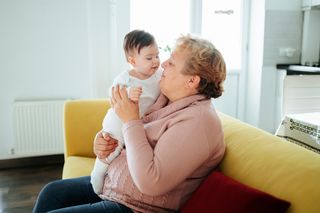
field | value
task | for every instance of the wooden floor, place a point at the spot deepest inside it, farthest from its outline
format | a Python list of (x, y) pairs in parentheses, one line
[(19, 187)]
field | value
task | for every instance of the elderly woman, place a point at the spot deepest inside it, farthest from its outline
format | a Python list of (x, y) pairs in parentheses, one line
[(169, 151)]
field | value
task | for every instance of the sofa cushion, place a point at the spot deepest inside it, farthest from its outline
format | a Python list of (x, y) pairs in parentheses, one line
[(77, 166), (220, 193)]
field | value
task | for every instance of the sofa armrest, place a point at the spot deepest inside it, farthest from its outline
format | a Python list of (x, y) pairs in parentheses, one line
[(82, 120), (271, 164)]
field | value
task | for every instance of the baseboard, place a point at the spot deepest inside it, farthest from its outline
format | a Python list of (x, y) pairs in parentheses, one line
[(32, 161)]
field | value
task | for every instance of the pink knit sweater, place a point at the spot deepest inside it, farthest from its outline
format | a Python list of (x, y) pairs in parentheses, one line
[(168, 153)]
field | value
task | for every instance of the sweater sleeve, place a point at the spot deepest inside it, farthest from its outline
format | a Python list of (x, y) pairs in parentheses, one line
[(181, 149)]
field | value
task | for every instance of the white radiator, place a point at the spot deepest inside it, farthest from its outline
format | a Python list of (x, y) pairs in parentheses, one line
[(38, 128)]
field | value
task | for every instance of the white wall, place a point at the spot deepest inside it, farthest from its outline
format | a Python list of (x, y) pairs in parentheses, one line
[(53, 49), (44, 55), (283, 29), (274, 25)]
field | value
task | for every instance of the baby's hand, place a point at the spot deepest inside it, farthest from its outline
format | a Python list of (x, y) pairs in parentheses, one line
[(135, 93), (105, 135)]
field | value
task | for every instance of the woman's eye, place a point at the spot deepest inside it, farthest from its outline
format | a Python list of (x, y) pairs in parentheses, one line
[(149, 59)]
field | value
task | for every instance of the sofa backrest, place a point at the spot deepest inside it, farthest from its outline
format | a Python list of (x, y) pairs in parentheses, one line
[(271, 164), (253, 156), (82, 121)]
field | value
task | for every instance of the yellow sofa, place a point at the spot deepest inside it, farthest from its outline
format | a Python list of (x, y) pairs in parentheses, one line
[(253, 156)]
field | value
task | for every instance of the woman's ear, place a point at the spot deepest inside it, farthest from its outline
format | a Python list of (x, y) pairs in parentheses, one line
[(194, 82)]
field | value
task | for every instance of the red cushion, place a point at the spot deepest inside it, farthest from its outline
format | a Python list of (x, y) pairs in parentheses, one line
[(219, 193)]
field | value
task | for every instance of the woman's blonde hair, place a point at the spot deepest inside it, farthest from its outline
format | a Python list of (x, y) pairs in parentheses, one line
[(205, 61)]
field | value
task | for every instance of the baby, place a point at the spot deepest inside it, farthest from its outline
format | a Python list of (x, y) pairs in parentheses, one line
[(142, 82)]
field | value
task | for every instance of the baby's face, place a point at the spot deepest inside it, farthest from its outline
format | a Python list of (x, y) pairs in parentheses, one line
[(147, 61)]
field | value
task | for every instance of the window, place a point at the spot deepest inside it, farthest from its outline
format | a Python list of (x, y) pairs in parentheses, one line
[(165, 19), (222, 25), (220, 21)]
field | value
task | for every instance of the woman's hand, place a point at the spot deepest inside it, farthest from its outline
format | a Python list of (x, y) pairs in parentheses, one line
[(126, 109), (103, 145)]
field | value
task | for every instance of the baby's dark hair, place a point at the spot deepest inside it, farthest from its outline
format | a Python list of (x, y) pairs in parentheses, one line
[(136, 40)]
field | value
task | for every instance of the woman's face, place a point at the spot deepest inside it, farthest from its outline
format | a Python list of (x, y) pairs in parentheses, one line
[(173, 82)]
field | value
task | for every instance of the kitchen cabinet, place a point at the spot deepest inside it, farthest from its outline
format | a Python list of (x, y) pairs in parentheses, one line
[(315, 3), (310, 38), (308, 4)]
